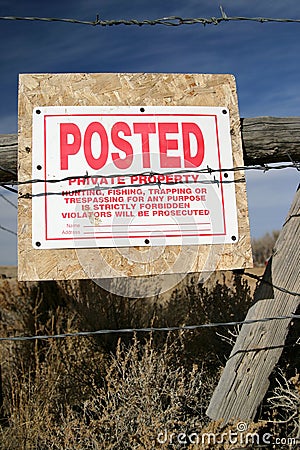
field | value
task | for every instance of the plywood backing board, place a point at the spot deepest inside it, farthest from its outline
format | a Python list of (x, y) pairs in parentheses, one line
[(124, 89)]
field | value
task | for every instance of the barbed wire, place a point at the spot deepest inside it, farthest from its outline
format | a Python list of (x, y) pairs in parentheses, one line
[(8, 230), (262, 280), (8, 188), (156, 181), (8, 201), (169, 21), (146, 330), (207, 170)]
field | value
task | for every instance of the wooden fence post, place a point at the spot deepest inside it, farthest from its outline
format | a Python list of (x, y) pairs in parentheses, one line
[(245, 379)]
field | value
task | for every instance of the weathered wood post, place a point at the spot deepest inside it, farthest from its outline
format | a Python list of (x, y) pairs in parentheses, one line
[(245, 379), (265, 140)]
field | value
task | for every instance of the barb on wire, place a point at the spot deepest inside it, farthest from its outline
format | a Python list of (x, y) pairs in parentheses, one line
[(147, 330), (279, 288), (8, 230), (297, 164), (8, 201), (169, 21)]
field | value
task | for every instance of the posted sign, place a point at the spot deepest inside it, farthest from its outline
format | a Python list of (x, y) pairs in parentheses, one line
[(132, 176)]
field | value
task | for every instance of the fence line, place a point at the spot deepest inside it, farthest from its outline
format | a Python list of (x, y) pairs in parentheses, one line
[(147, 330), (279, 288), (8, 230), (8, 201), (170, 21), (157, 178), (4, 186)]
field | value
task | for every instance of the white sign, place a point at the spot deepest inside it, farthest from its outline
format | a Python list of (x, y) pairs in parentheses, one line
[(132, 176)]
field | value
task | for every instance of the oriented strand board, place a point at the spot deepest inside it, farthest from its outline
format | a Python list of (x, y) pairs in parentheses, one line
[(126, 89)]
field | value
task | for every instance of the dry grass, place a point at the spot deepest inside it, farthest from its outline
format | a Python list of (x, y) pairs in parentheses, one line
[(76, 399), (104, 393), (281, 409), (120, 392)]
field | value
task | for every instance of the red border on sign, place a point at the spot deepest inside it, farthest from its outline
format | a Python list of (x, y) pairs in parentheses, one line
[(73, 238)]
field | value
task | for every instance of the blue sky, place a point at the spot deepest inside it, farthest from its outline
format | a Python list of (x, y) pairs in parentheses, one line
[(263, 57)]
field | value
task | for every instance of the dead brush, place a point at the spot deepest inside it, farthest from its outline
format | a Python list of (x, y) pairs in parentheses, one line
[(37, 394), (140, 392), (283, 406), (81, 393), (144, 393)]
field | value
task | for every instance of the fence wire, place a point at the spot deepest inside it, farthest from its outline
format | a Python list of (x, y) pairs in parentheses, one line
[(154, 178), (169, 21), (8, 230), (146, 330), (279, 288), (8, 201)]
